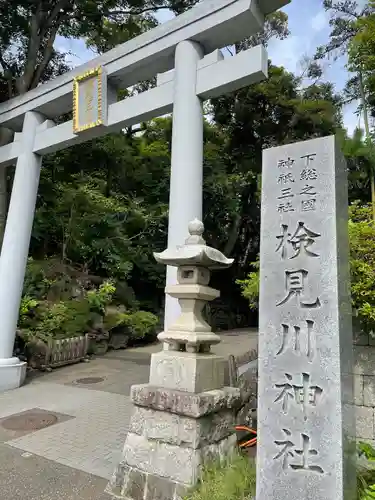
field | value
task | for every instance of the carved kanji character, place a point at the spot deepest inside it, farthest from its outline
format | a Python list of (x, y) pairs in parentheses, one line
[(295, 284)]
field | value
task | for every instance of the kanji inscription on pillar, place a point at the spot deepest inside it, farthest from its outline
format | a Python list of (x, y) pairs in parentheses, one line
[(305, 337), (90, 100)]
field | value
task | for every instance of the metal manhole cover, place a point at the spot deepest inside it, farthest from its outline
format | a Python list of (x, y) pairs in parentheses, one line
[(89, 380), (29, 421)]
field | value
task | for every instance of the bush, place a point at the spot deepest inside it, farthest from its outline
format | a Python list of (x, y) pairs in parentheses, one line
[(362, 264), (142, 323), (250, 286), (73, 311), (36, 284), (61, 320), (100, 298), (366, 472), (139, 324), (232, 479), (28, 311), (45, 320)]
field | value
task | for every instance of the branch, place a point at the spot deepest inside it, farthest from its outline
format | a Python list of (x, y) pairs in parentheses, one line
[(10, 88), (3, 62), (48, 51), (229, 50), (61, 5), (337, 10), (139, 12), (32, 52), (8, 75), (125, 239), (246, 255), (33, 72), (233, 236), (130, 131)]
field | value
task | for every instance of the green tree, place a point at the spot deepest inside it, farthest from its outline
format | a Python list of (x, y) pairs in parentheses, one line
[(103, 224), (28, 33), (275, 26), (358, 155), (348, 24), (274, 112), (103, 206), (362, 45), (32, 27)]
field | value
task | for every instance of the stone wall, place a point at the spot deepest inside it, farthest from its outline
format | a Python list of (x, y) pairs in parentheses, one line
[(364, 383)]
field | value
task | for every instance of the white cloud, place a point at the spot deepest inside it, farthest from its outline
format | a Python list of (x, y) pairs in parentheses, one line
[(164, 15), (289, 52), (319, 21), (76, 50)]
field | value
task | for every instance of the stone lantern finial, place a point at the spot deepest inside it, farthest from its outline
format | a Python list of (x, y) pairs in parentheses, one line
[(196, 230)]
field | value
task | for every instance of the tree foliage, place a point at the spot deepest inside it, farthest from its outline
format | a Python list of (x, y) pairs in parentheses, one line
[(102, 207), (350, 33), (29, 30), (361, 51)]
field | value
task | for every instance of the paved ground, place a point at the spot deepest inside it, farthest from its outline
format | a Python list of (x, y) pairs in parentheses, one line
[(74, 457)]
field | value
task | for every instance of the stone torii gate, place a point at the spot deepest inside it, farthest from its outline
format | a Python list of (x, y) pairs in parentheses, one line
[(180, 48)]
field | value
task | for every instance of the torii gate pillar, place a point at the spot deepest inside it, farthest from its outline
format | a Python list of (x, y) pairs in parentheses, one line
[(15, 250), (186, 184)]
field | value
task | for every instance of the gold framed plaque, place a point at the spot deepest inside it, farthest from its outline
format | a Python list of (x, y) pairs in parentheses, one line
[(90, 100)]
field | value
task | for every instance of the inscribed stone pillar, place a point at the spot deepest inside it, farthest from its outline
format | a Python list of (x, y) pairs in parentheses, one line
[(305, 417)]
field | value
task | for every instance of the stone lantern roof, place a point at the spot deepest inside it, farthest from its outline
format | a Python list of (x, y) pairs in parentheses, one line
[(194, 252)]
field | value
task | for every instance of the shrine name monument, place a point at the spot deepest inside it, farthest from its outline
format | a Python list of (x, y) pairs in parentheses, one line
[(306, 421)]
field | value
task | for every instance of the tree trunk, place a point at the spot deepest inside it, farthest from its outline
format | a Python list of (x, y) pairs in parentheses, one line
[(233, 235), (368, 139)]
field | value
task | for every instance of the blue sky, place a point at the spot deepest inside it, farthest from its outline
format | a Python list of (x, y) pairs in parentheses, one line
[(310, 28), (308, 23)]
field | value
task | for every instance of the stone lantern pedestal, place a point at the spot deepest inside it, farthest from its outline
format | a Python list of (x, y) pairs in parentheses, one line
[(184, 416)]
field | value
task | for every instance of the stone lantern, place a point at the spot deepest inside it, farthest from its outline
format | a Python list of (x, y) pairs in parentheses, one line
[(194, 261), (184, 415), (190, 334)]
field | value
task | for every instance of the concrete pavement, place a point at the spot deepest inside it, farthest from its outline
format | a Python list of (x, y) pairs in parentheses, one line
[(86, 408)]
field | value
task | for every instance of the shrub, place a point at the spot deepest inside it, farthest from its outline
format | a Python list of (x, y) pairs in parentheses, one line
[(142, 323), (366, 472), (99, 298), (138, 324), (250, 286), (36, 284), (232, 479), (62, 320), (67, 318), (28, 310), (41, 319), (362, 264)]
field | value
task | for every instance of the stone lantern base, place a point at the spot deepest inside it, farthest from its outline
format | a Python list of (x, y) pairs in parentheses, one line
[(171, 434)]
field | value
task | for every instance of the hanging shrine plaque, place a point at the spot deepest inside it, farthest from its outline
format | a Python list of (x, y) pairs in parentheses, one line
[(90, 100)]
